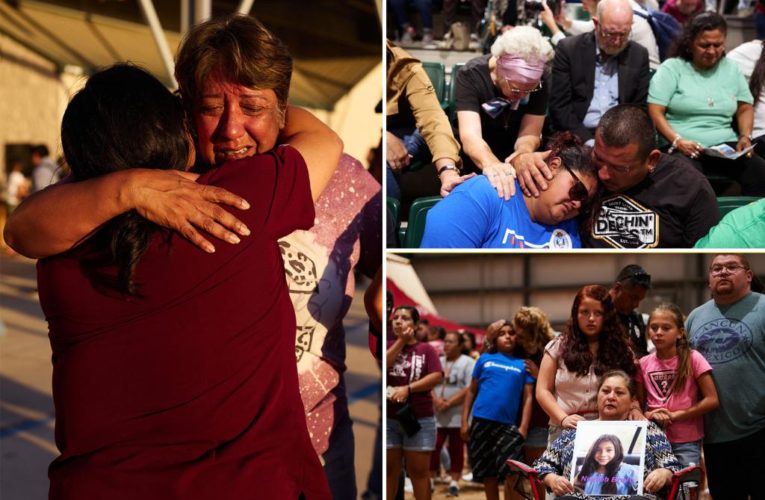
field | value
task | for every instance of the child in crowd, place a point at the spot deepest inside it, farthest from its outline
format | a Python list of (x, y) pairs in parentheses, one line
[(603, 472), (534, 332), (469, 347), (593, 343), (501, 389), (676, 383)]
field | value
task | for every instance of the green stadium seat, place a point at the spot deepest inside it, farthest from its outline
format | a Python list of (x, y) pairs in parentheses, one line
[(394, 208), (452, 105), (437, 74), (417, 214), (730, 203)]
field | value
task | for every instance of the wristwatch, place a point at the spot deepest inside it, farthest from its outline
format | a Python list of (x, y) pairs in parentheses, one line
[(448, 166)]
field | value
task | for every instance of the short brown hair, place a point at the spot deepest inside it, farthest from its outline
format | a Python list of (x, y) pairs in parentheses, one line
[(235, 48)]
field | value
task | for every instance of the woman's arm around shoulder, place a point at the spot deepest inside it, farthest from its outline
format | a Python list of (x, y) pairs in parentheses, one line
[(61, 216)]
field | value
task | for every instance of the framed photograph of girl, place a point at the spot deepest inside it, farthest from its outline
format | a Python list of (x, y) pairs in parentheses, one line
[(609, 458)]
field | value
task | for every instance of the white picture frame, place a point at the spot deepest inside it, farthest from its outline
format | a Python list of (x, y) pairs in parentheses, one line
[(625, 474)]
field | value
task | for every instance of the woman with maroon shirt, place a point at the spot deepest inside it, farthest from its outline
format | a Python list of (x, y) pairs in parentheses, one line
[(413, 370), (173, 370)]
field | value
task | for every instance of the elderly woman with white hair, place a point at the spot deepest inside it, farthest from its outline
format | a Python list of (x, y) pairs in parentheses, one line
[(501, 104)]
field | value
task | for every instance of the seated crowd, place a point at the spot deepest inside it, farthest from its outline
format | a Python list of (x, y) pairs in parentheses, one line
[(656, 144), (695, 380)]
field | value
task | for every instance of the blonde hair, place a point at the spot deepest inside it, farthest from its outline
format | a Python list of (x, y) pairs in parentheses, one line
[(532, 324), (525, 42)]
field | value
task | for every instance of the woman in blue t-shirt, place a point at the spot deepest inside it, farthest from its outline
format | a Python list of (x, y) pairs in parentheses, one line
[(473, 216)]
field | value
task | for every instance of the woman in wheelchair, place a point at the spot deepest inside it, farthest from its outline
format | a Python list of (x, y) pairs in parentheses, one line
[(616, 393)]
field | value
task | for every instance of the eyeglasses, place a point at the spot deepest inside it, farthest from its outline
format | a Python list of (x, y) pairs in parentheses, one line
[(515, 91), (611, 35), (612, 168), (578, 191), (719, 268)]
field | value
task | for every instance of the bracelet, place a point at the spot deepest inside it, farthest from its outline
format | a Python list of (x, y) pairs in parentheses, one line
[(409, 388), (748, 136), (563, 420), (674, 143), (448, 166)]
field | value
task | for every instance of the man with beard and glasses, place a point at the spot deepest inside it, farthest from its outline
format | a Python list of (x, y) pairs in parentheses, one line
[(595, 71), (729, 331)]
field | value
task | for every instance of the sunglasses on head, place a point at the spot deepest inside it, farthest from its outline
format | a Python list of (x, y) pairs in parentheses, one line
[(578, 191)]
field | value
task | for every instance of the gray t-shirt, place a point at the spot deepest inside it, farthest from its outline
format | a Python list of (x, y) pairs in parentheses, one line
[(457, 375), (732, 339)]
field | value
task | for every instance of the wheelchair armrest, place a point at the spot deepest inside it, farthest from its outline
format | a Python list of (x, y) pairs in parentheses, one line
[(525, 471), (688, 474)]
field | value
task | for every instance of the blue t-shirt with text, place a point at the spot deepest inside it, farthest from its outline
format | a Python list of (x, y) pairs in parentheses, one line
[(501, 379), (473, 216)]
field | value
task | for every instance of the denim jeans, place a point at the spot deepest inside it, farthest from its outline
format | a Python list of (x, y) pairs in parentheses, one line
[(416, 146)]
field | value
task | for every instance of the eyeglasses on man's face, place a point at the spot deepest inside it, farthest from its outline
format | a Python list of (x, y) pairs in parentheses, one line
[(730, 268), (613, 169), (614, 36)]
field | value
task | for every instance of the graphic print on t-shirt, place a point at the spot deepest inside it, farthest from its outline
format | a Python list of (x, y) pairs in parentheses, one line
[(624, 223), (559, 239), (662, 381), (723, 340), (402, 366)]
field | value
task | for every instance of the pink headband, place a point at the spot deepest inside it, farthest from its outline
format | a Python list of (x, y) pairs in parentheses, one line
[(516, 68)]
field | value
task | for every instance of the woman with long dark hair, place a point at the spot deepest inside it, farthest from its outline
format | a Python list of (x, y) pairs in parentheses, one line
[(594, 342), (694, 98), (164, 386)]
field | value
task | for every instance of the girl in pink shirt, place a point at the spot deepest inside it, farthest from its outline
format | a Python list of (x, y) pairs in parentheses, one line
[(676, 384)]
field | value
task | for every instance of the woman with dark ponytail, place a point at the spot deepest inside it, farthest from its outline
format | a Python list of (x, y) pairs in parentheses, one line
[(473, 216), (123, 99), (173, 369), (676, 384)]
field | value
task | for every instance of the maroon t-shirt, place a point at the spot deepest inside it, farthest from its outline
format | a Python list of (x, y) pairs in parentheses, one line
[(191, 390), (422, 358)]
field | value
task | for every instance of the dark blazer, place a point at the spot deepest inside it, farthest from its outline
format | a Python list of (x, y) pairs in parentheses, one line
[(573, 80)]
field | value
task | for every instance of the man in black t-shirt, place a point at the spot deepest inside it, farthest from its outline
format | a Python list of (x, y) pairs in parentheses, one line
[(648, 199)]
